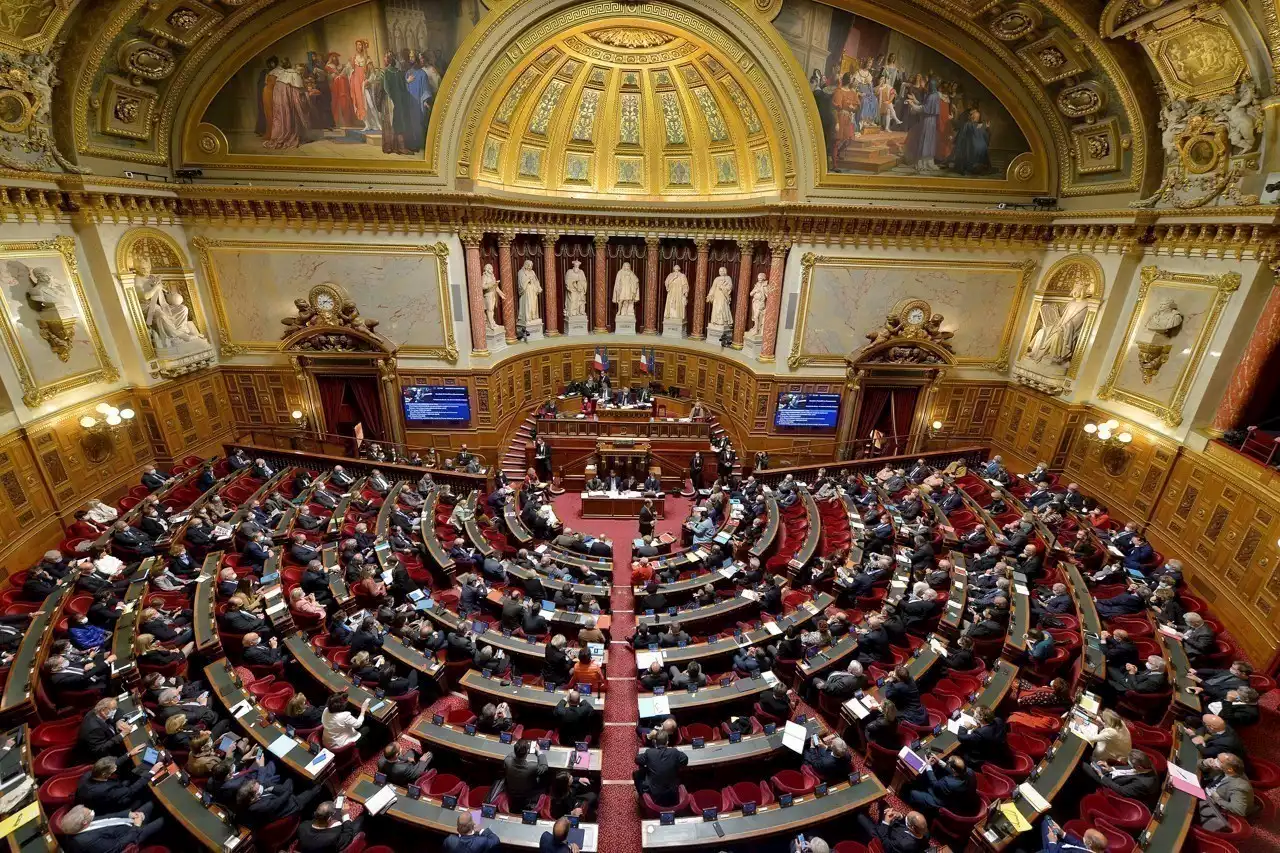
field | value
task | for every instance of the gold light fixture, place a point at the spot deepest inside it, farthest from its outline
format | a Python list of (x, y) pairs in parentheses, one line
[(299, 419), (111, 420), (1108, 432), (935, 427), (1113, 444)]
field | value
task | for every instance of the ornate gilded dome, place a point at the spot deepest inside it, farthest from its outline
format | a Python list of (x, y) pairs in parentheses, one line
[(628, 109)]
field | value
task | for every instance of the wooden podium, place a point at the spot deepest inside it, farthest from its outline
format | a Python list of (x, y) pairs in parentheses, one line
[(627, 456)]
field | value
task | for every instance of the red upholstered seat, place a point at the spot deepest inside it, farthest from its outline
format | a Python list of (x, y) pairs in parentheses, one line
[(794, 782), (653, 810), (748, 792), (60, 790), (1265, 775), (55, 733), (994, 785), (278, 834), (1123, 813), (707, 798), (1237, 832), (444, 785), (54, 761), (953, 829)]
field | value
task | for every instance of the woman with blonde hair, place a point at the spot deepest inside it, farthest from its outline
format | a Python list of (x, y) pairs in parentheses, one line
[(177, 736), (203, 757), (1112, 741), (146, 650), (300, 713)]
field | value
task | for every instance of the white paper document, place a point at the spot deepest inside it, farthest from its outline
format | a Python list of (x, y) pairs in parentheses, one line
[(381, 801), (772, 628), (281, 746), (1033, 798), (1020, 589), (857, 709), (794, 736), (654, 706)]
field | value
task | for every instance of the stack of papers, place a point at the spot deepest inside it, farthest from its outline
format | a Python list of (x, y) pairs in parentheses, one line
[(1033, 798), (281, 746), (857, 709), (381, 801), (793, 737), (1185, 780)]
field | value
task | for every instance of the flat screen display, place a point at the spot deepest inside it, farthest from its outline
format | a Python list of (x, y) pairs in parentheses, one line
[(812, 411), (437, 404)]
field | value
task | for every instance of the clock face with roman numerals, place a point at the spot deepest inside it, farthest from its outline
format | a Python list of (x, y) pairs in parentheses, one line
[(913, 313)]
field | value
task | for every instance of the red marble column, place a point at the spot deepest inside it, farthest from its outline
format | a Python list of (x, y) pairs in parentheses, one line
[(1258, 354), (700, 289), (742, 298), (600, 287), (549, 286), (507, 276), (773, 306), (475, 295), (651, 285)]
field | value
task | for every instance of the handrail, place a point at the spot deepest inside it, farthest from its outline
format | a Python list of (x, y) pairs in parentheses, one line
[(346, 441), (971, 455)]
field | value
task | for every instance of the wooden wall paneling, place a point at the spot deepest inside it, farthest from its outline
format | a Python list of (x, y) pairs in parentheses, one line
[(263, 396), (967, 409), (188, 416), (28, 523)]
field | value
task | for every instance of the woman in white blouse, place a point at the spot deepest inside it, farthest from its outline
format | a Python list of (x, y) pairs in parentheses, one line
[(341, 727), (100, 513), (1112, 742)]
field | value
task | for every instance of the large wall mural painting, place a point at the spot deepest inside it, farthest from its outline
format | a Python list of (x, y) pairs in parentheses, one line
[(891, 105), (360, 83)]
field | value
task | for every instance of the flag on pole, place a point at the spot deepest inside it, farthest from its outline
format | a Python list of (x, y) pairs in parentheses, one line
[(644, 361), (651, 362), (600, 361), (604, 360)]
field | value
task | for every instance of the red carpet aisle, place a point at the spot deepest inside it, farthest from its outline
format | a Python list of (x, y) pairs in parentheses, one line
[(619, 824)]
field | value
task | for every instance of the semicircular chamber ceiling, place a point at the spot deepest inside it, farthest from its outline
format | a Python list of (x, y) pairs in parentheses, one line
[(628, 102), (625, 107)]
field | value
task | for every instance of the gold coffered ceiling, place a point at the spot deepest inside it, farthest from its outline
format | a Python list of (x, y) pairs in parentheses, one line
[(625, 108)]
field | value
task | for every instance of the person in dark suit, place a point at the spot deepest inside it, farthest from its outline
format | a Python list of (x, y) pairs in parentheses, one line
[(302, 550), (62, 674), (524, 774), (556, 666), (258, 653), (647, 518), (879, 537), (101, 734), (103, 788), (153, 524), (1151, 678), (1118, 649), (950, 785), (600, 547), (468, 840), (1127, 603), (1139, 554), (901, 689), (1138, 781), (1240, 707), (38, 585), (655, 676), (207, 478), (328, 831), (237, 620), (987, 741), (257, 806), (653, 599), (1199, 640), (898, 834), (831, 763), (873, 644), (556, 840), (256, 553), (1215, 684), (402, 766), (153, 479), (1215, 737), (575, 718), (658, 773), (132, 539), (84, 831)]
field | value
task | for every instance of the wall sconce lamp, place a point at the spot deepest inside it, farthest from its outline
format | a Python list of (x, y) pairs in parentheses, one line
[(299, 419), (935, 427), (1106, 432), (111, 419)]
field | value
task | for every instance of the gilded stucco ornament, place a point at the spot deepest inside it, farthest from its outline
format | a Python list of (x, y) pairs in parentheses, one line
[(27, 82), (1209, 146)]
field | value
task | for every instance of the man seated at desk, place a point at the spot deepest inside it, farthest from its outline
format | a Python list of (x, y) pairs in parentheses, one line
[(523, 775), (1137, 780), (652, 485), (575, 718), (950, 785), (830, 763), (595, 484)]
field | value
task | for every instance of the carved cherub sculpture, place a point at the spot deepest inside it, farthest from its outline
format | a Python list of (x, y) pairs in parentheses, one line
[(933, 328), (351, 317), (892, 328)]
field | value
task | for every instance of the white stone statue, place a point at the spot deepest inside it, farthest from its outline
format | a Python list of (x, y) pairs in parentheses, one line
[(1166, 320), (1241, 113), (759, 296), (164, 309), (575, 291), (1060, 325), (677, 285), (530, 288), (626, 291), (492, 293), (720, 297), (48, 293)]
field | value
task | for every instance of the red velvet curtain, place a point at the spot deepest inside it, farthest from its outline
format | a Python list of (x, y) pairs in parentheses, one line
[(364, 391), (874, 403), (332, 391), (902, 409)]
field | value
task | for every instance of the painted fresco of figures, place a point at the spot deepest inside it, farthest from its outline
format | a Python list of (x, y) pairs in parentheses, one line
[(359, 83), (922, 116)]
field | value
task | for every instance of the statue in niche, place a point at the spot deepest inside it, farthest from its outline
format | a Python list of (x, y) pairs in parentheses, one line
[(164, 309), (677, 285), (720, 296), (759, 298), (1060, 325), (626, 291), (575, 291), (489, 285), (57, 307), (530, 288)]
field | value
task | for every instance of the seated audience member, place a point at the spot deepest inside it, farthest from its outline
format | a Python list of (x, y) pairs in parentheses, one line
[(1055, 694), (843, 684), (658, 773), (655, 676), (329, 831), (1239, 708), (985, 742), (1215, 737), (570, 796), (1228, 790), (238, 620), (692, 676), (1111, 742), (1118, 649), (258, 805), (945, 784), (523, 775), (494, 718), (84, 831), (587, 672), (901, 689), (1199, 641), (830, 763), (306, 604), (1133, 777), (776, 702), (1151, 678), (101, 732), (897, 834), (402, 766), (589, 633), (300, 713), (1215, 684), (883, 729), (104, 788), (468, 840)]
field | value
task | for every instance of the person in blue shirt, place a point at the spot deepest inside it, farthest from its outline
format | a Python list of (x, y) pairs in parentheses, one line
[(704, 531), (951, 785), (995, 469), (1056, 840), (1039, 645), (1140, 553)]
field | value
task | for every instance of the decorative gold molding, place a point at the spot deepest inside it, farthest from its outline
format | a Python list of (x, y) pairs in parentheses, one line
[(1170, 413), (34, 393), (229, 346), (810, 261)]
